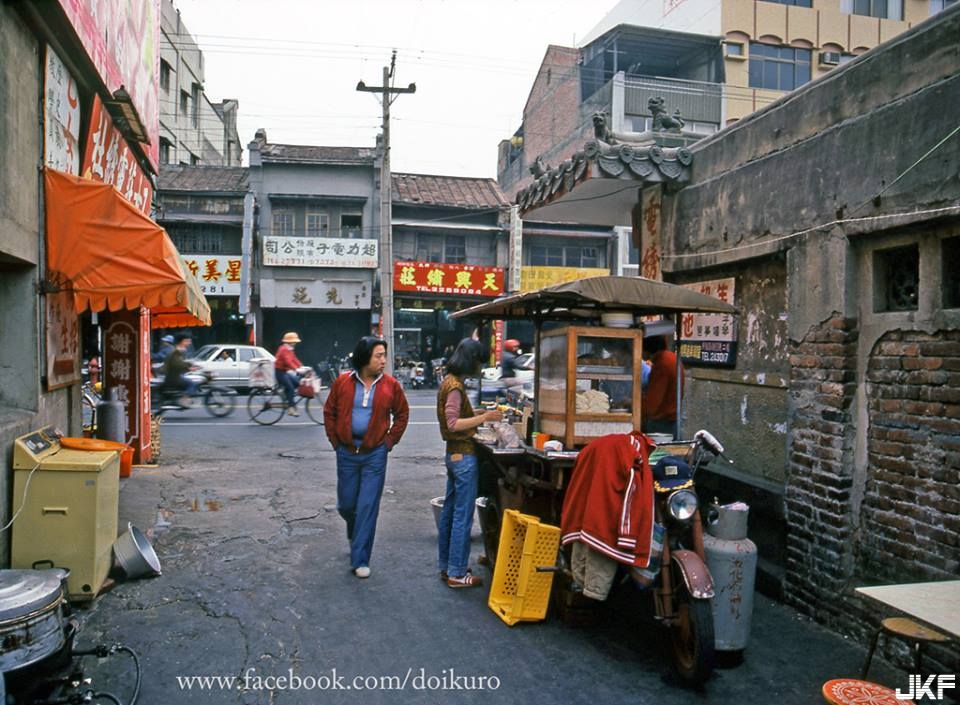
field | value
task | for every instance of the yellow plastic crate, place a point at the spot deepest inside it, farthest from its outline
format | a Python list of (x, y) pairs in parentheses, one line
[(519, 593)]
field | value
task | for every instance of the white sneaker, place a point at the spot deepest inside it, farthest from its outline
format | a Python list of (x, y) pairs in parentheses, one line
[(362, 572), (292, 412)]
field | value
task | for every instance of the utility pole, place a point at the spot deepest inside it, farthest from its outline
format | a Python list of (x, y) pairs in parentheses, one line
[(387, 95)]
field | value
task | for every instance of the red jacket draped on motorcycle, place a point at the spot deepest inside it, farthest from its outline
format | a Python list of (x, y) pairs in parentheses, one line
[(609, 502)]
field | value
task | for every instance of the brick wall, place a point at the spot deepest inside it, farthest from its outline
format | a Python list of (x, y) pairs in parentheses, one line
[(819, 477), (910, 517), (908, 528)]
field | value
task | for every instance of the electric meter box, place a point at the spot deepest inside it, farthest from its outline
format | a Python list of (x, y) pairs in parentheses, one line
[(69, 516)]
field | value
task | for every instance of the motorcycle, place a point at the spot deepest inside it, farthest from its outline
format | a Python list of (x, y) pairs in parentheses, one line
[(219, 401), (678, 579)]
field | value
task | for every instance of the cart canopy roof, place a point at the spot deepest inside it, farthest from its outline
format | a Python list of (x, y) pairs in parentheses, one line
[(591, 297)]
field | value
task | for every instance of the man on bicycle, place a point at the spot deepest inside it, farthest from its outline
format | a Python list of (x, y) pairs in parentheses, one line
[(286, 366)]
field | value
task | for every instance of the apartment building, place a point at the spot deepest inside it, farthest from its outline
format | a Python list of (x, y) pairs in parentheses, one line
[(193, 129), (714, 62)]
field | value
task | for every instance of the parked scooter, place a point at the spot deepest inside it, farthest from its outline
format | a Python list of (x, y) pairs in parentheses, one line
[(217, 400), (679, 579)]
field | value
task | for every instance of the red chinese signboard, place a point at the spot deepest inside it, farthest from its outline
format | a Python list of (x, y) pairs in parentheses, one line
[(440, 278), (107, 158)]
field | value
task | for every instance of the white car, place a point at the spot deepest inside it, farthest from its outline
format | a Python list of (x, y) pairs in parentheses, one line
[(229, 363)]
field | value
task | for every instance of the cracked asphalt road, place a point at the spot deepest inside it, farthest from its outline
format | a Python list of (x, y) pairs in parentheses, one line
[(256, 583)]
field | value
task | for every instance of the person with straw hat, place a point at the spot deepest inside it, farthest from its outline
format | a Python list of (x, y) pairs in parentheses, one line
[(286, 366)]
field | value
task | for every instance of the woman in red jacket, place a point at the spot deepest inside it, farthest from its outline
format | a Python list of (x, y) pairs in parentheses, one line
[(365, 416)]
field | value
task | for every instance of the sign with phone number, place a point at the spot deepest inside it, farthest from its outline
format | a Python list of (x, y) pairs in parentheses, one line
[(710, 339), (710, 352)]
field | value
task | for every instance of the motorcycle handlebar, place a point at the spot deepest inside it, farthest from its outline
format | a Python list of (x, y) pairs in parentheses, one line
[(708, 439)]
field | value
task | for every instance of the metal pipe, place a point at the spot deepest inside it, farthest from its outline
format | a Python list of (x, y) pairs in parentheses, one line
[(679, 377)]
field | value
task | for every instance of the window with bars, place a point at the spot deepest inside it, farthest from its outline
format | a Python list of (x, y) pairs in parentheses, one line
[(779, 68), (195, 114), (351, 225), (165, 76), (950, 265), (197, 239), (318, 225), (564, 256), (434, 247), (884, 9), (165, 149), (282, 223), (896, 277)]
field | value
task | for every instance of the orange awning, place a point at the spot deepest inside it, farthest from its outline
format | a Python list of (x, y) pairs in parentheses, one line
[(112, 256)]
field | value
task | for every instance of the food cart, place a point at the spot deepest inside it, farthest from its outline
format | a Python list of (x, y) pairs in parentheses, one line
[(588, 342), (589, 338)]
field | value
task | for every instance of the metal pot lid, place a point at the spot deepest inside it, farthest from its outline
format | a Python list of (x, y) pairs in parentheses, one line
[(25, 591)]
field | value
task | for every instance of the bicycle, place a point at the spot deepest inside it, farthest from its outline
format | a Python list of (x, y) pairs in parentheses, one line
[(267, 405), (89, 398)]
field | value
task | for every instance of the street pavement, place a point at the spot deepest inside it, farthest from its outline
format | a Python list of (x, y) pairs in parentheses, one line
[(256, 585)]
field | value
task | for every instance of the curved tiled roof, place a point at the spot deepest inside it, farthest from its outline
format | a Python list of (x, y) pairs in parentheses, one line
[(183, 177), (645, 163), (323, 155), (457, 191)]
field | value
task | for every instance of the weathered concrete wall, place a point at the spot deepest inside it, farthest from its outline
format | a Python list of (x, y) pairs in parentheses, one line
[(847, 165), (23, 405), (745, 406)]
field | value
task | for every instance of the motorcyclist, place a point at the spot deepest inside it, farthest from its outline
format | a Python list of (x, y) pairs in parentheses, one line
[(175, 367), (508, 362), (286, 366), (166, 347)]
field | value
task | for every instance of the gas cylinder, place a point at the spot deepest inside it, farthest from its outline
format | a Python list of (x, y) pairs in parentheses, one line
[(732, 559), (111, 418)]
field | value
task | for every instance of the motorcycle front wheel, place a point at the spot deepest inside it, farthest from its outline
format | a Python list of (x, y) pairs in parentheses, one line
[(691, 637), (219, 402), (266, 406)]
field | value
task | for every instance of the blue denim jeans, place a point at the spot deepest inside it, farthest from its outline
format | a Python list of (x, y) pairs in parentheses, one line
[(456, 519), (360, 479), (288, 380)]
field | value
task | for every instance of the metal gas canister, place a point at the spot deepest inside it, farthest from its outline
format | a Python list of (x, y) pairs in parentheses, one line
[(732, 559)]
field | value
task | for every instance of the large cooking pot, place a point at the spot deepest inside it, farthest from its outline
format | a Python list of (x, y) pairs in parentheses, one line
[(31, 616)]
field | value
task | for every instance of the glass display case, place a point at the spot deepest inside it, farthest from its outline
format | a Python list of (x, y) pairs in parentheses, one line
[(589, 382)]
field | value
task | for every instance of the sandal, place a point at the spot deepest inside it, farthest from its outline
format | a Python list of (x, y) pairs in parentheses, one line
[(463, 581)]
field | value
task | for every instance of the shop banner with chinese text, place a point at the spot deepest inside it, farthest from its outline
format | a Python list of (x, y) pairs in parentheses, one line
[(442, 278), (320, 252)]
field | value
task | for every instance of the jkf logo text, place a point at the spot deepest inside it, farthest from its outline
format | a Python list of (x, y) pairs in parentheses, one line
[(920, 688)]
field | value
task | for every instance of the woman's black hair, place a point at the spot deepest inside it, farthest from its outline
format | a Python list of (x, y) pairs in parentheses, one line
[(364, 351), (655, 344), (466, 359)]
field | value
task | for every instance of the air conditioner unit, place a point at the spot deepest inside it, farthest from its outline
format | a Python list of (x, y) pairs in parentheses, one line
[(829, 58)]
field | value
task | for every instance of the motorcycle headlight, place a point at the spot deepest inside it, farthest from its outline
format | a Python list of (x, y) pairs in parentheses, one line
[(682, 504)]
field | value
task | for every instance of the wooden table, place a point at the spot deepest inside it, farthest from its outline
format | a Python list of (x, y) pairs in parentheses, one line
[(936, 604)]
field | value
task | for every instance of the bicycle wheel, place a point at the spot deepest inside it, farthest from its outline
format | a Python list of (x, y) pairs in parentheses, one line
[(266, 406), (219, 402), (314, 408)]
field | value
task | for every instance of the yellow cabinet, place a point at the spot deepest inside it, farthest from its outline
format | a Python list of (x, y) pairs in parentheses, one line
[(70, 514)]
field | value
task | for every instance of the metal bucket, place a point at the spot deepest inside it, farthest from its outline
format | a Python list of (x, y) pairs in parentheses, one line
[(134, 554), (728, 521), (437, 505)]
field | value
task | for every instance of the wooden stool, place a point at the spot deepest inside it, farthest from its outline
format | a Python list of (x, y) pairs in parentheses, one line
[(850, 691), (906, 629)]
